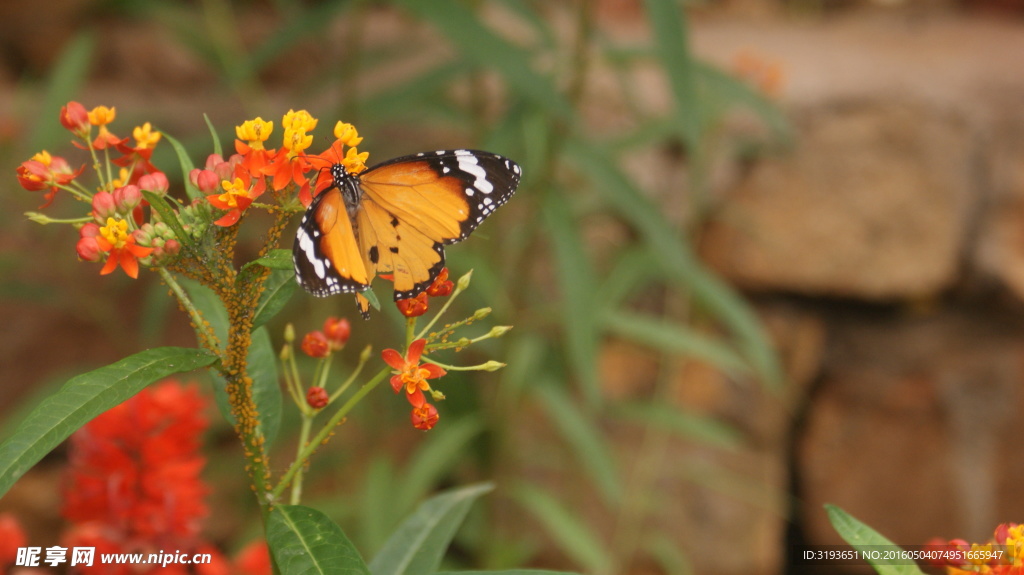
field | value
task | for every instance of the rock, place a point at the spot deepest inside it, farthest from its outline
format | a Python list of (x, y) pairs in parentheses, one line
[(913, 427), (873, 203)]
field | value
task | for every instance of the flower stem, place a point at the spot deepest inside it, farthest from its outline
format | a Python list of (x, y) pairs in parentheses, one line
[(206, 337), (307, 450), (307, 425)]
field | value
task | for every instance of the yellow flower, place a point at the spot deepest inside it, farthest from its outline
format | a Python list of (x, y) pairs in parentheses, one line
[(43, 158), (255, 132), (299, 121), (232, 191), (347, 133), (122, 179), (355, 162), (145, 136), (102, 115), (115, 232), (296, 141)]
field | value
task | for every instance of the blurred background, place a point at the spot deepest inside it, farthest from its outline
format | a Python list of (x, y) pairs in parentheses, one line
[(767, 255)]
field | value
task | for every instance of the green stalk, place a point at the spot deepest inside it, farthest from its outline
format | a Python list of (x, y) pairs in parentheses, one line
[(325, 433)]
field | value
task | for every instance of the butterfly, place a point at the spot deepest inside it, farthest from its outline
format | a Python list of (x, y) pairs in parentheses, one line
[(395, 218)]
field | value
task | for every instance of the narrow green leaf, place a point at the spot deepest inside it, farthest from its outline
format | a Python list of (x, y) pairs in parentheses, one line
[(436, 457), (277, 291), (671, 40), (688, 425), (169, 217), (304, 541), (573, 536), (303, 22), (475, 41), (83, 398), (863, 537), (675, 339), (576, 279), (372, 298), (217, 148), (726, 89), (677, 259), (65, 79), (378, 514), (419, 543), (586, 441), (186, 167), (266, 389), (276, 260)]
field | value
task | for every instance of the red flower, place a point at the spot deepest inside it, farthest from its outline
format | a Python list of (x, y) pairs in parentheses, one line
[(238, 195), (337, 332), (424, 417), (412, 376), (442, 286), (254, 559), (284, 169), (75, 118), (11, 538), (46, 172), (87, 247), (135, 470), (317, 397), (124, 251), (413, 307), (315, 344)]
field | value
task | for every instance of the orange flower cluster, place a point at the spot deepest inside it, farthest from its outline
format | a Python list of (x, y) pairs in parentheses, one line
[(1003, 555), (119, 233)]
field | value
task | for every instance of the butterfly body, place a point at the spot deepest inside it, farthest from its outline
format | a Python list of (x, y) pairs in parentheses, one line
[(396, 218)]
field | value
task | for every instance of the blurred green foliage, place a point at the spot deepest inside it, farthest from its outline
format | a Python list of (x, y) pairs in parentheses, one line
[(521, 94)]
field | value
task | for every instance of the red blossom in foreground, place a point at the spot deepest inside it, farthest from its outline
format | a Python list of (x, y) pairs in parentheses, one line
[(134, 477), (11, 538)]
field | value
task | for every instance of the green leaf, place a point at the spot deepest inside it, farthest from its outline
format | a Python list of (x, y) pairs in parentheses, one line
[(277, 291), (438, 455), (275, 260), (693, 426), (304, 541), (671, 41), (419, 543), (84, 397), (168, 216), (569, 531), (266, 389), (576, 279), (186, 167), (460, 26), (586, 442), (65, 78), (217, 148), (675, 339), (861, 537), (677, 259)]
